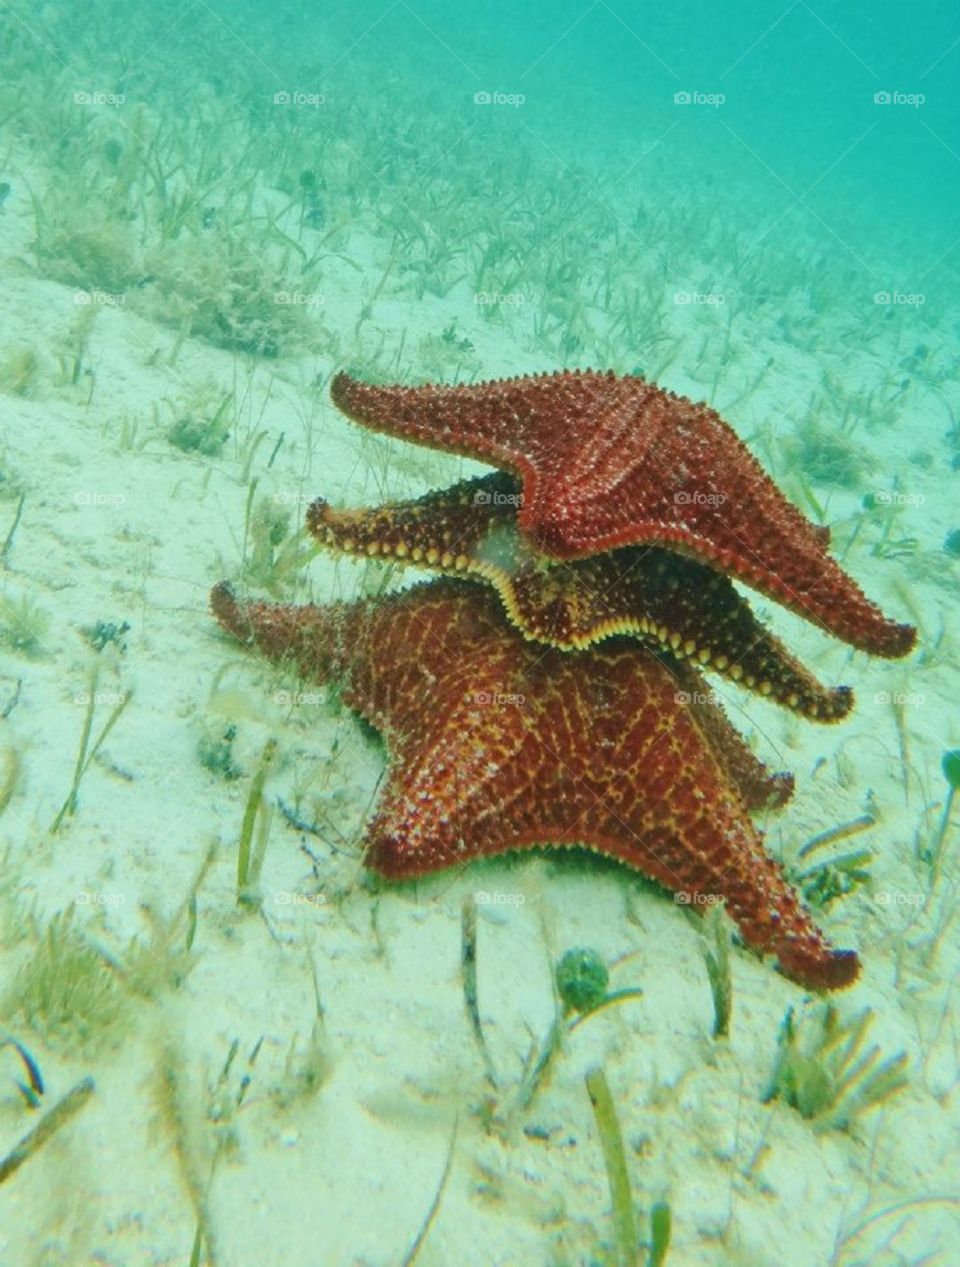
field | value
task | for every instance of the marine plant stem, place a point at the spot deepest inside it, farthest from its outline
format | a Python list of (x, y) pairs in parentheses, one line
[(8, 541), (413, 1252), (84, 757), (250, 861), (468, 966), (933, 853), (611, 1141), (34, 1140)]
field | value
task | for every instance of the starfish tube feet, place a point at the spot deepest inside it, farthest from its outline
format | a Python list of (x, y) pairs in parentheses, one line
[(671, 602)]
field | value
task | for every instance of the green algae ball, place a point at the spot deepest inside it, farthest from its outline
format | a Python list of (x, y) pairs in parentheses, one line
[(582, 979)]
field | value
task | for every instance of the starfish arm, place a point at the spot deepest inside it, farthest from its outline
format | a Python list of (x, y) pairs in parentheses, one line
[(760, 789), (323, 644), (674, 812), (310, 637), (384, 655), (676, 604), (442, 531), (450, 790), (476, 424)]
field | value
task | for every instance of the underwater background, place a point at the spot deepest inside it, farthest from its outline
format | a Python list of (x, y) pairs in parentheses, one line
[(207, 210)]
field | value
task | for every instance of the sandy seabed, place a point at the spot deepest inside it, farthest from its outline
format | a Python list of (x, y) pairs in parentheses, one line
[(326, 1142)]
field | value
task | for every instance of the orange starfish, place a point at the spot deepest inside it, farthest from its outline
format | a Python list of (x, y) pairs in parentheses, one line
[(607, 462), (496, 743)]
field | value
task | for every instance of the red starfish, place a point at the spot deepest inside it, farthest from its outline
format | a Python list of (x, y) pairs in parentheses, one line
[(674, 603), (497, 743), (607, 462)]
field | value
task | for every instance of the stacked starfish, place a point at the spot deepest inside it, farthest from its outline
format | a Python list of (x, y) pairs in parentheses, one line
[(608, 536)]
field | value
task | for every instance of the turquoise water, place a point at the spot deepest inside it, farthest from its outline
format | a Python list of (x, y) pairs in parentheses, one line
[(206, 211), (789, 94), (842, 119)]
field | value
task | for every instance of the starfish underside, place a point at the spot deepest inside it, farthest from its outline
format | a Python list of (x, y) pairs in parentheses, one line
[(607, 462), (671, 601), (497, 743)]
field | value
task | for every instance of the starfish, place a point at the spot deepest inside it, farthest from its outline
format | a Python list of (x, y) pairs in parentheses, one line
[(497, 743), (671, 601), (606, 462)]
